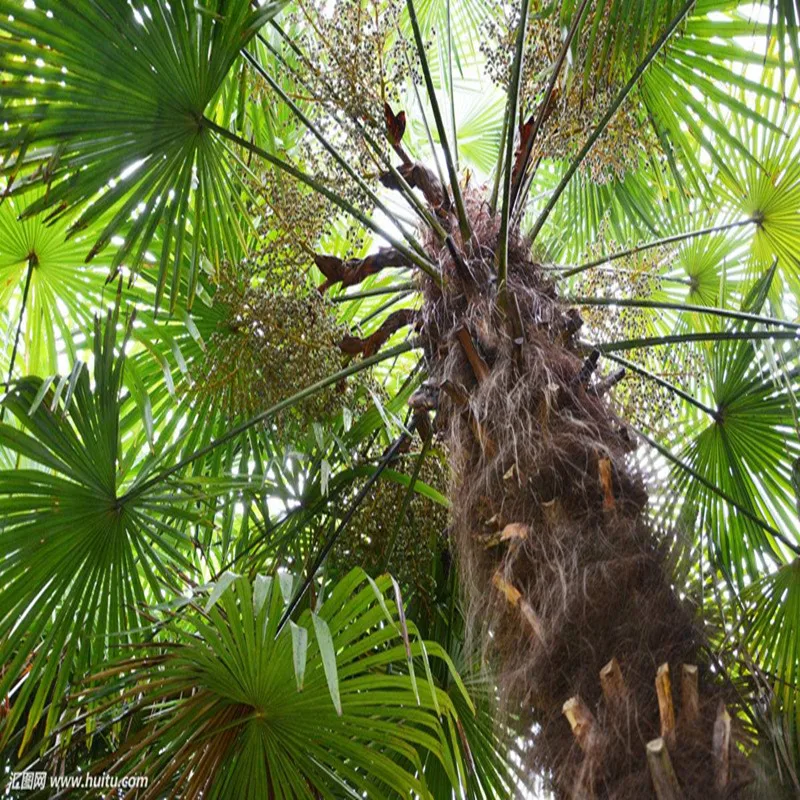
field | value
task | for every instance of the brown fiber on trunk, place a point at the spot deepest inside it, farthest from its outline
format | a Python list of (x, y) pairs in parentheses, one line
[(582, 578)]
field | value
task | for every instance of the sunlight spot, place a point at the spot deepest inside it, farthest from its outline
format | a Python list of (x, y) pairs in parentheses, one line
[(128, 171)]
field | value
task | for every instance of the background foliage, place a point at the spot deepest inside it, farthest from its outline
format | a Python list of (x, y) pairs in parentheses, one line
[(182, 439)]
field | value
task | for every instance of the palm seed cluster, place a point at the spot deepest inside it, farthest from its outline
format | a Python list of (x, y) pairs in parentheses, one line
[(582, 95), (646, 404), (635, 276), (317, 162), (290, 220), (359, 58), (374, 540), (273, 341), (356, 60)]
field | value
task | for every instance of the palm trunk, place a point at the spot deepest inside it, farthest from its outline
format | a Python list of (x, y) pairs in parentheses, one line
[(563, 572)]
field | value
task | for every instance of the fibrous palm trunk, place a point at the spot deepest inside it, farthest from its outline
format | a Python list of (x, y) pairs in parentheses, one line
[(563, 573), (567, 585)]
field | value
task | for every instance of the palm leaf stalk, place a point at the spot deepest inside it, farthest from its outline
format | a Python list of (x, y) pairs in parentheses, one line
[(426, 444), (398, 179), (381, 310), (233, 433), (311, 506), (419, 208), (706, 336), (18, 333), (413, 257), (377, 202), (450, 84), (657, 379), (340, 528), (568, 272), (428, 132), (455, 188), (498, 169), (397, 288), (506, 208), (689, 308), (541, 113)]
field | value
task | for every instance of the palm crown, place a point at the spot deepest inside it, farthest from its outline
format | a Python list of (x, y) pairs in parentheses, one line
[(494, 297)]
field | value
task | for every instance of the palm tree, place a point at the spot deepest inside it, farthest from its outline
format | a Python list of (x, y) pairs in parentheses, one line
[(536, 262)]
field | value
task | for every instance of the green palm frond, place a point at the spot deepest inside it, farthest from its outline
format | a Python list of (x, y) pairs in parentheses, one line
[(342, 701), (118, 122), (56, 285), (746, 452), (80, 560), (182, 144), (744, 449), (786, 28), (712, 266), (773, 606), (771, 195)]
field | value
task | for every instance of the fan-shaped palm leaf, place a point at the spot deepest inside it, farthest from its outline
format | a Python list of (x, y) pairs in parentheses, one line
[(327, 706), (773, 606), (62, 295), (122, 92), (80, 558)]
